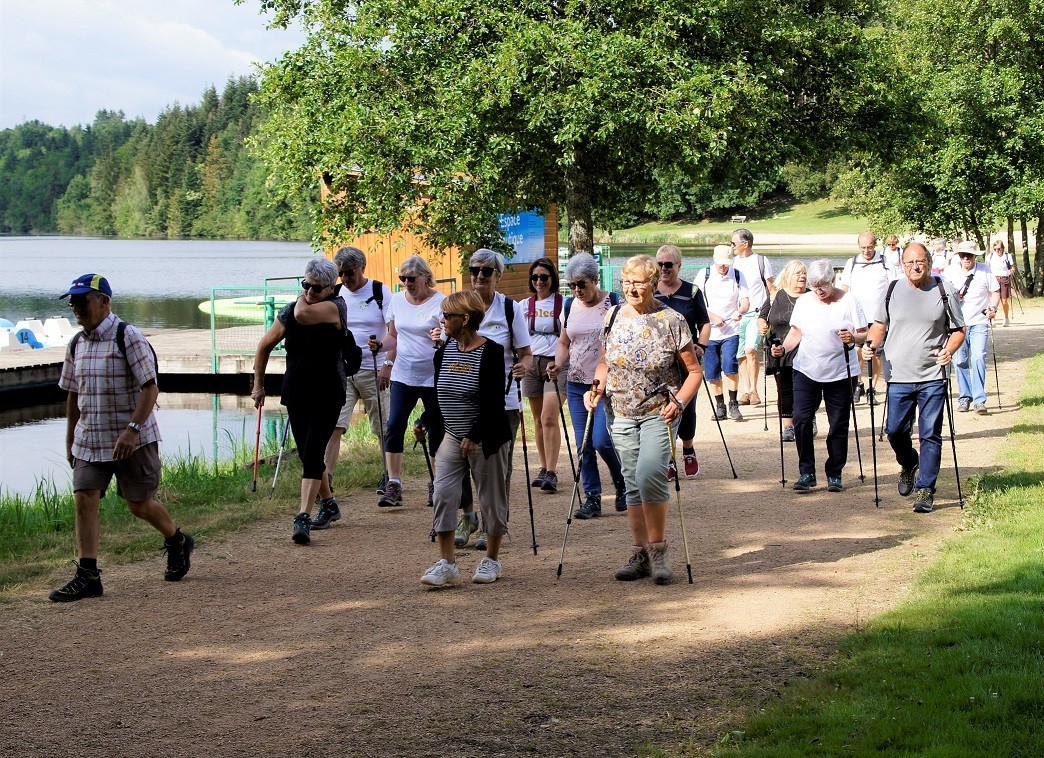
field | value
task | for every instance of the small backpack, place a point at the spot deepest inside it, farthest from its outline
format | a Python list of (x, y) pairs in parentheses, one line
[(121, 344)]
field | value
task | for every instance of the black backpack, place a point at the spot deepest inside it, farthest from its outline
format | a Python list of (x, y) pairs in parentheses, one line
[(351, 354), (121, 344)]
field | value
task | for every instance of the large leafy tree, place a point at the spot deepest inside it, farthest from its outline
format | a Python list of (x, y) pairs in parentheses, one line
[(448, 112)]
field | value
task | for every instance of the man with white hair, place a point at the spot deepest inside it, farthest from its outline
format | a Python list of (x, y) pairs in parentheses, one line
[(979, 293), (725, 290), (867, 276)]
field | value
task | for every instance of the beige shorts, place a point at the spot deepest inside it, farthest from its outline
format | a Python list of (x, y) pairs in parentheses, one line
[(363, 387), (137, 478), (535, 383)]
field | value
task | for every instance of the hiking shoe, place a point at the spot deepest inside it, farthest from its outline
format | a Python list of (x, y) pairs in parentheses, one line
[(441, 574), (488, 571), (719, 409), (592, 507), (860, 393), (980, 409), (805, 482), (467, 525), (691, 464), (328, 513), (384, 483), (871, 396), (755, 398), (85, 583), (906, 480), (302, 529), (392, 496), (672, 472), (963, 404), (637, 566), (659, 569), (621, 495), (923, 501), (178, 555), (538, 480), (788, 434), (734, 412), (834, 484), (550, 482), (480, 540), (744, 399)]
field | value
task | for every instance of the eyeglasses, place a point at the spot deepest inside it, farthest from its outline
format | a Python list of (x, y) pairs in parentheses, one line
[(579, 284), (407, 279), (634, 284), (823, 287), (665, 264), (446, 315), (316, 288), (346, 272), (913, 264), (540, 278), (486, 271)]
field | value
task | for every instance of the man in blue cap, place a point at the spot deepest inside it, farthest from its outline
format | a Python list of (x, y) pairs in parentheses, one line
[(110, 375)]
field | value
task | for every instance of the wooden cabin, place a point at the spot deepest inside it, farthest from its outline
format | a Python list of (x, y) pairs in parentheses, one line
[(533, 236)]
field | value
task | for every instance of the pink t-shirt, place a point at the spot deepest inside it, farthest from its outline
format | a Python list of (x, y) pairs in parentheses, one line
[(584, 328)]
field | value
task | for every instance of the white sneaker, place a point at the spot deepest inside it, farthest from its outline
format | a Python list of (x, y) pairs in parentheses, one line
[(488, 571), (442, 573)]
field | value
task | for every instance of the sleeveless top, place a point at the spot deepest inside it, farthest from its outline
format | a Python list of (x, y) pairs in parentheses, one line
[(314, 368)]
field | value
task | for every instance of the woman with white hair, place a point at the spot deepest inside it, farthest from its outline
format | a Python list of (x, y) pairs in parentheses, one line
[(827, 322), (415, 311), (313, 329), (775, 319)]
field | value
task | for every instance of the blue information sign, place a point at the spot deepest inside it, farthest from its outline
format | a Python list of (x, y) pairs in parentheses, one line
[(525, 233)]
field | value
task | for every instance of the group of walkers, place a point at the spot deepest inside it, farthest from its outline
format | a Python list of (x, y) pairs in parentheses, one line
[(628, 366)]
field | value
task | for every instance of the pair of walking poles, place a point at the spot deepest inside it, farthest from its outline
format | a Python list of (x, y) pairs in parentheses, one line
[(664, 390)]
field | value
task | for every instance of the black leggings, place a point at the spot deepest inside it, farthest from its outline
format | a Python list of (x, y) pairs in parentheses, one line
[(687, 425), (312, 427), (785, 388)]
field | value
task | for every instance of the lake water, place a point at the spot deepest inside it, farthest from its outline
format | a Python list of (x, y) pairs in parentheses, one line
[(160, 284)]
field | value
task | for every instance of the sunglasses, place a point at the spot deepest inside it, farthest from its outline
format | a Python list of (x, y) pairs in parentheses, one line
[(540, 278), (665, 264), (407, 279), (316, 288), (446, 315), (346, 272), (486, 271), (579, 284)]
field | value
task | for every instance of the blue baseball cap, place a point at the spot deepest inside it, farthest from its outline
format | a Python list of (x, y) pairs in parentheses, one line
[(88, 283)]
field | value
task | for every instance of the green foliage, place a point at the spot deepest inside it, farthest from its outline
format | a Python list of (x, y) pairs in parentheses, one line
[(451, 111), (188, 175)]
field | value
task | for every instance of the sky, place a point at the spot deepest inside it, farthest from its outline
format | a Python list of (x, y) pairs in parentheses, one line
[(61, 61)]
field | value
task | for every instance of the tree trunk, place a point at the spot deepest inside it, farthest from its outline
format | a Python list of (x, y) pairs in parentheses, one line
[(1025, 252), (578, 209), (1011, 237), (1038, 272)]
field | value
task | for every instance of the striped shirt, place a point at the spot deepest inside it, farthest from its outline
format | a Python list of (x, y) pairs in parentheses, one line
[(458, 388), (108, 387)]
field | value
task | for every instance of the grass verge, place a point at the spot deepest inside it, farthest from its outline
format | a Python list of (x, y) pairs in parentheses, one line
[(959, 668)]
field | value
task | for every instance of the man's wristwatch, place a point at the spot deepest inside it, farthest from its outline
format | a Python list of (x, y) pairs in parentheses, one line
[(135, 427), (389, 364)]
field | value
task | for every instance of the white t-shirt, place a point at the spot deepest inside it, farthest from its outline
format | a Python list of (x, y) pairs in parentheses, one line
[(723, 295), (365, 318), (753, 267), (977, 298), (893, 258), (820, 356), (414, 348), (1000, 264), (495, 327), (543, 324), (867, 280)]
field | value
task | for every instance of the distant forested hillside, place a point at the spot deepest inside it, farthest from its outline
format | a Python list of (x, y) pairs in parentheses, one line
[(189, 175)]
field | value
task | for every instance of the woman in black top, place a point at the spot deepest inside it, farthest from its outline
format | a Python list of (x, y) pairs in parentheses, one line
[(774, 318), (313, 331), (470, 429)]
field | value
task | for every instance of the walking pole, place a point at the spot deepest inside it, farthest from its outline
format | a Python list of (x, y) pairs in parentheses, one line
[(279, 458), (421, 437), (764, 400), (884, 415), (710, 399), (257, 447), (576, 484), (1015, 289), (525, 458), (565, 431), (953, 441), (380, 410), (677, 488), (873, 438), (777, 342), (996, 374), (855, 421)]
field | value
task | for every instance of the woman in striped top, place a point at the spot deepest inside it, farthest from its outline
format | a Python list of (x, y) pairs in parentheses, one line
[(470, 429)]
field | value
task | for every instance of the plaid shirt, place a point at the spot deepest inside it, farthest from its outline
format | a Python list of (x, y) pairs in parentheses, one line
[(108, 387)]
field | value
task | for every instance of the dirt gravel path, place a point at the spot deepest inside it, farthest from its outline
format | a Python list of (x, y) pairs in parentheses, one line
[(336, 649)]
